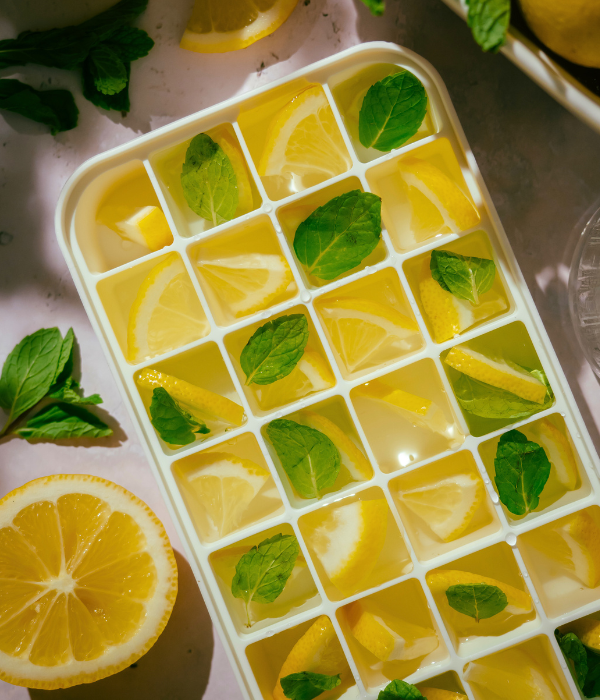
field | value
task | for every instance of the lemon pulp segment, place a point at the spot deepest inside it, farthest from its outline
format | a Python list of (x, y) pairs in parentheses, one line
[(439, 694), (559, 451), (147, 226), (238, 163), (447, 314)]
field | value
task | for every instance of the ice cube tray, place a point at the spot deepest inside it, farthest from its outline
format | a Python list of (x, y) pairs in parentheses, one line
[(256, 653)]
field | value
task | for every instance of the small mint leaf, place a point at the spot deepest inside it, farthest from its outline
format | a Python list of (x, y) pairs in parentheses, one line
[(400, 690), (174, 425), (489, 21), (465, 277), (307, 685), (62, 421), (477, 600), (575, 653)]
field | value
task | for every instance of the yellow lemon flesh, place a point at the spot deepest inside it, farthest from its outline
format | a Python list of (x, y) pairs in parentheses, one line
[(148, 227), (559, 451), (87, 581), (238, 163), (588, 631), (439, 694)]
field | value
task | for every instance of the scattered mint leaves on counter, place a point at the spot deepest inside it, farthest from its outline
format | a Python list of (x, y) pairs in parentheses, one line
[(489, 21), (64, 421), (309, 458), (477, 600), (274, 349), (392, 111), (174, 425), (338, 236), (377, 7), (464, 277), (307, 685), (54, 108), (68, 392), (208, 180), (107, 70), (400, 690), (261, 573), (575, 653)]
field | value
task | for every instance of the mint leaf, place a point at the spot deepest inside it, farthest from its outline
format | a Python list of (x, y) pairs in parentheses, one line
[(62, 421), (576, 655), (68, 392), (377, 7), (174, 425), (208, 180), (465, 277), (522, 470), (307, 685), (261, 573), (591, 688), (477, 600), (54, 108), (274, 349), (129, 43), (489, 21), (309, 458), (392, 111), (64, 368), (119, 101), (338, 236), (400, 690), (107, 70), (488, 401)]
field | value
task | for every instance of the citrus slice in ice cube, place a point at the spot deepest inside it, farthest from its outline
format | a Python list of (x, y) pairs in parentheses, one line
[(88, 581), (587, 629), (148, 227), (447, 506), (439, 694), (366, 332), (166, 312), (447, 314), (242, 176), (559, 451), (247, 283)]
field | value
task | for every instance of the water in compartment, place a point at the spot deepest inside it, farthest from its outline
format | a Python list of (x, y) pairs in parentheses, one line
[(444, 505), (299, 594), (392, 634), (424, 195), (243, 271), (349, 89), (168, 165), (563, 559), (493, 566), (449, 682), (406, 416), (332, 419), (446, 314), (293, 138), (369, 323), (355, 544)]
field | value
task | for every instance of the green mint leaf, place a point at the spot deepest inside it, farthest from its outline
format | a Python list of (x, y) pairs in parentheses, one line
[(338, 236), (377, 7), (69, 393), (477, 600), (400, 690), (274, 349), (591, 688), (489, 21), (307, 685), (119, 101), (54, 108), (465, 277), (107, 70), (522, 470), (62, 421), (488, 401), (575, 653), (309, 458), (261, 573), (392, 111), (129, 43), (208, 180), (174, 425), (64, 368)]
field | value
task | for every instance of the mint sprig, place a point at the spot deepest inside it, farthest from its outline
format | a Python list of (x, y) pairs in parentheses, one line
[(307, 685), (400, 690), (63, 421), (489, 21), (477, 600), (377, 7), (54, 108), (584, 663), (464, 277), (174, 425)]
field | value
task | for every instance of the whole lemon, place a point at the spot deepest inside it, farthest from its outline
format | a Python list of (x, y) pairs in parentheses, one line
[(570, 28)]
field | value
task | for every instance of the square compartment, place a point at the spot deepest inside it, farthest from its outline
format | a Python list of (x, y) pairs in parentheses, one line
[(558, 584), (398, 616), (292, 215), (445, 681), (108, 200), (400, 437), (467, 634), (261, 398), (265, 119), (461, 315), (382, 314), (512, 344), (168, 163), (243, 254), (120, 291), (332, 418), (245, 479), (418, 496), (404, 183), (349, 89), (382, 554), (299, 595), (568, 481), (267, 657)]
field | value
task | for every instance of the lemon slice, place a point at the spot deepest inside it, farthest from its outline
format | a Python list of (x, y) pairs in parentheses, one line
[(147, 227), (587, 629), (573, 543), (247, 283), (238, 163), (447, 314), (439, 581), (317, 651), (439, 694), (448, 506), (559, 451), (304, 144), (88, 581), (216, 26), (166, 313), (496, 373), (387, 639), (349, 541), (365, 332), (352, 458)]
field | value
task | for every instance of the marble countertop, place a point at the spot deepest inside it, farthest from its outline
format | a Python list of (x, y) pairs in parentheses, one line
[(539, 162)]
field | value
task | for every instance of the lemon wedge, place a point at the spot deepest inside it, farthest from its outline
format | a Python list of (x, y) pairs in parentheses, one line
[(88, 581), (447, 314), (559, 451), (238, 163), (587, 629), (439, 694), (448, 506), (216, 26), (147, 227)]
